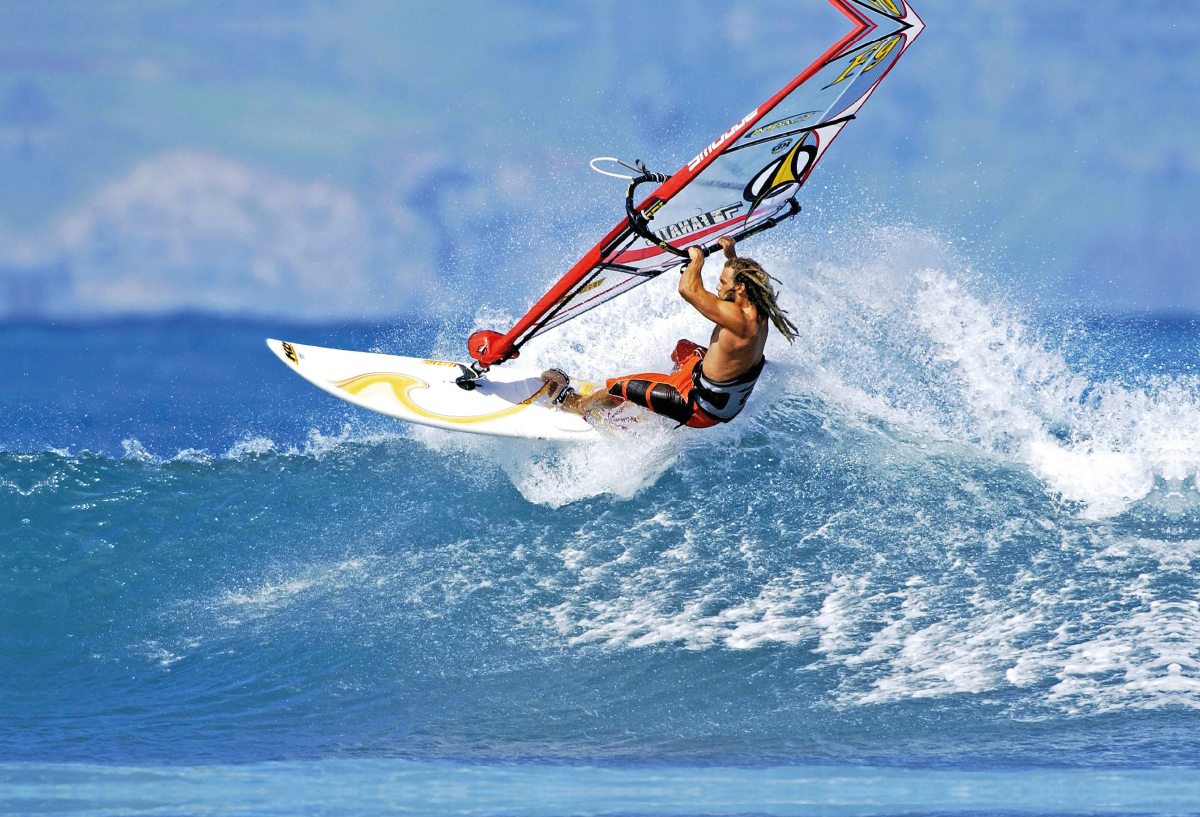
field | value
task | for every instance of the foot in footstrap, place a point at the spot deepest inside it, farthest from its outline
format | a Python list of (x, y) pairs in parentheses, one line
[(560, 385)]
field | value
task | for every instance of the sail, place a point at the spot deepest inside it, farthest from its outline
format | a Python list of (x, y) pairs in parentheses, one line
[(744, 181)]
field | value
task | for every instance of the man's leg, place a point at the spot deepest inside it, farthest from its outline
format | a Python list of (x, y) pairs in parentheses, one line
[(657, 392), (598, 400), (660, 393)]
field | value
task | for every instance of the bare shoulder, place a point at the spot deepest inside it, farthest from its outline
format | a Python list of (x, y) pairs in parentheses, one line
[(756, 324)]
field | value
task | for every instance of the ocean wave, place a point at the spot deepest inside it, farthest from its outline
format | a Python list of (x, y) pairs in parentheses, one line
[(317, 444), (925, 502)]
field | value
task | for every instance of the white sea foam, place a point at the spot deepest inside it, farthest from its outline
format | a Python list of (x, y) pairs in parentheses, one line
[(266, 597), (1078, 632), (317, 444), (902, 337), (137, 452), (251, 447)]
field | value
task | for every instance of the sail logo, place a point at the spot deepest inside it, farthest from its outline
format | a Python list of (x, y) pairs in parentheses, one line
[(717, 145), (872, 58), (698, 223), (798, 119), (585, 288), (588, 287), (781, 173), (886, 6)]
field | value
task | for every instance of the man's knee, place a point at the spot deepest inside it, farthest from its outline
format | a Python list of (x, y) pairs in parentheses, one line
[(683, 350), (660, 398), (666, 400)]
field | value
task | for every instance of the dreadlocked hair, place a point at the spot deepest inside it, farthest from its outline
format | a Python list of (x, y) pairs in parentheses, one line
[(760, 293)]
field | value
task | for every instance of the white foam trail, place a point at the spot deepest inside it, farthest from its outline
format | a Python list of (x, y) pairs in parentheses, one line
[(897, 334), (251, 447), (556, 475), (1135, 651), (316, 445), (1015, 392), (269, 596), (1073, 629)]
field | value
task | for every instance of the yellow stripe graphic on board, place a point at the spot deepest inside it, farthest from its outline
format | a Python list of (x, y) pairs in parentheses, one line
[(402, 384)]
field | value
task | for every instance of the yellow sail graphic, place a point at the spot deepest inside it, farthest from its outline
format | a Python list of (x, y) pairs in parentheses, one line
[(402, 384)]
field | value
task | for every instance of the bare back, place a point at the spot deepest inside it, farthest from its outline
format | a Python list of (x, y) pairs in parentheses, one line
[(729, 356)]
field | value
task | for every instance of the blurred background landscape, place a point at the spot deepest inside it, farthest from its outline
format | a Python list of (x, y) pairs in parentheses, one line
[(321, 160)]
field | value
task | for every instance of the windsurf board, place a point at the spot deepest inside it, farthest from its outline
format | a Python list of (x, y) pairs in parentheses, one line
[(505, 403)]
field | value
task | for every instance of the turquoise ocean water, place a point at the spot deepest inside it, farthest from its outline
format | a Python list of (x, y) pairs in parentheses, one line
[(944, 563)]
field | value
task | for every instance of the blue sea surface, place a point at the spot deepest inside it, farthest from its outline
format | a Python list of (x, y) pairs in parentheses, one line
[(944, 563)]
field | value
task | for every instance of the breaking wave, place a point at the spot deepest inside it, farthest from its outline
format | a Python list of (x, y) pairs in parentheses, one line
[(930, 498)]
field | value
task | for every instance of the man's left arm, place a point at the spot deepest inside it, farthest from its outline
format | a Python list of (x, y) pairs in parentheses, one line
[(691, 287)]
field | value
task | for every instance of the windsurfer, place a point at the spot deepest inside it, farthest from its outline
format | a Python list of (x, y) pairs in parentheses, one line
[(707, 386)]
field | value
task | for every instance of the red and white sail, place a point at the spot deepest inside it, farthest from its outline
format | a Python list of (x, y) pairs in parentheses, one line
[(750, 174)]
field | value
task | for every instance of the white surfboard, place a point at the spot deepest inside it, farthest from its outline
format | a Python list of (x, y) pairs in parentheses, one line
[(506, 403)]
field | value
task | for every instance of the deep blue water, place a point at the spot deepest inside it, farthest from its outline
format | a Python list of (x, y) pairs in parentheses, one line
[(946, 549)]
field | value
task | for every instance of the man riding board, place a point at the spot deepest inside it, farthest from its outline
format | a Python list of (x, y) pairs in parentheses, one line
[(708, 386)]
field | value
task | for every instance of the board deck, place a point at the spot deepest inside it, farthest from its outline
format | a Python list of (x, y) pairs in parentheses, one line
[(507, 402)]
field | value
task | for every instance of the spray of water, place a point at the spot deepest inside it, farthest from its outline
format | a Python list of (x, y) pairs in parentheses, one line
[(895, 328)]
